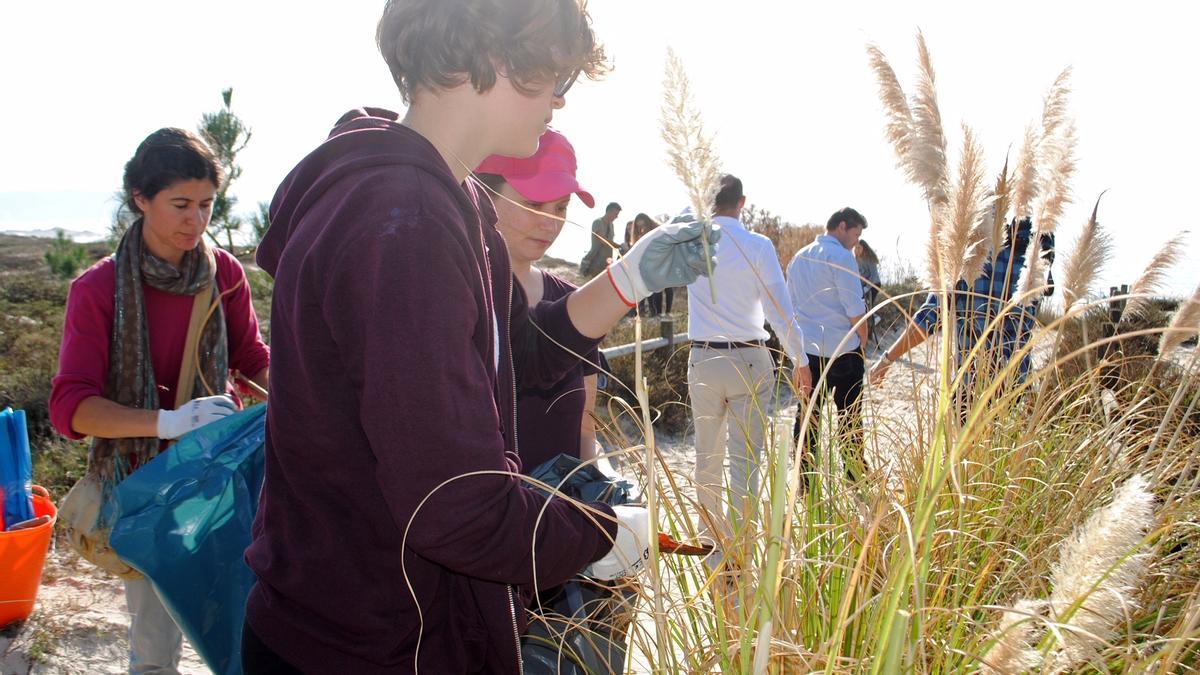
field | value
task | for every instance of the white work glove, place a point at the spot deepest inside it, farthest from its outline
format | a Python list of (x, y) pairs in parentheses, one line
[(631, 551), (193, 415), (666, 257)]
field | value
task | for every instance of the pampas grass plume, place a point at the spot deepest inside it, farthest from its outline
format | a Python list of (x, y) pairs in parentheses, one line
[(1024, 189), (1001, 200), (1185, 324), (1054, 106), (895, 104), (1014, 651), (927, 166), (1099, 572), (962, 242), (689, 149), (1091, 252), (1142, 290), (1026, 175), (1058, 168)]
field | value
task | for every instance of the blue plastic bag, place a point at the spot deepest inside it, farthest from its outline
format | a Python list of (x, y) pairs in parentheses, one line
[(581, 627), (185, 522), (16, 469)]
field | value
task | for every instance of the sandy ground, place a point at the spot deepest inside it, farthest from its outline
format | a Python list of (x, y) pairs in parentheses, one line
[(79, 624)]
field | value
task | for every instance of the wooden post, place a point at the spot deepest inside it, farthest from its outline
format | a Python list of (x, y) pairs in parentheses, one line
[(666, 327), (1114, 311)]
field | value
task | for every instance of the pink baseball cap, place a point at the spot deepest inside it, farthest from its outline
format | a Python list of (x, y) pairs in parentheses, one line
[(545, 176)]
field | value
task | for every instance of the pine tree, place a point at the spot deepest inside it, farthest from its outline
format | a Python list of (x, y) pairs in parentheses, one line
[(226, 135)]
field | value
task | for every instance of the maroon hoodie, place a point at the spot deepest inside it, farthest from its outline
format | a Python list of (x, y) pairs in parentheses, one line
[(375, 550)]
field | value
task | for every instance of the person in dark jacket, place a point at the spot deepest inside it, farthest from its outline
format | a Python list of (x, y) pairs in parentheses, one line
[(985, 315), (531, 196), (393, 530)]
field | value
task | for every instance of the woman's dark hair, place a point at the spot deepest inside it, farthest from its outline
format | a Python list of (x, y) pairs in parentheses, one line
[(166, 157), (642, 224), (493, 181), (868, 253)]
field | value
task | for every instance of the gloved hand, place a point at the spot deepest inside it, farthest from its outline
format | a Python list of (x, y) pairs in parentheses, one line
[(668, 256), (193, 415), (630, 551)]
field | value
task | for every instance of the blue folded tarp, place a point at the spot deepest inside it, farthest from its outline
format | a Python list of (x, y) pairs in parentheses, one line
[(16, 469), (185, 522)]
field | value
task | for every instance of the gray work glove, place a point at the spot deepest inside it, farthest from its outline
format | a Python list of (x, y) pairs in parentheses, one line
[(668, 256)]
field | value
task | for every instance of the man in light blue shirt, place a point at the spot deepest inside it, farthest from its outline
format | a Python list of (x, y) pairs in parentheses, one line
[(826, 292)]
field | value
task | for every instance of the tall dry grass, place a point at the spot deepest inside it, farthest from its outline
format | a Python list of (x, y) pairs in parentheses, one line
[(1049, 525)]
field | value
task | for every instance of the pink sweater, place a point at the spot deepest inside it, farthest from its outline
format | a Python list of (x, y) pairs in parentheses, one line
[(83, 358)]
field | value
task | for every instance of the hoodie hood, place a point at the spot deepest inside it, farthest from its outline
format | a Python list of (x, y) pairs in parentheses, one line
[(363, 138)]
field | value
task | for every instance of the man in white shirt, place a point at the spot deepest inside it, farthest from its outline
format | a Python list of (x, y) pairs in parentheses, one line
[(730, 371), (826, 290)]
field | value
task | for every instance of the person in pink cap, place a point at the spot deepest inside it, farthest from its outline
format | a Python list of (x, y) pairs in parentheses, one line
[(531, 197)]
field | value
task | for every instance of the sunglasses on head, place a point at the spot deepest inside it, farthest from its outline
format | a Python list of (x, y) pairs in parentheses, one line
[(564, 82)]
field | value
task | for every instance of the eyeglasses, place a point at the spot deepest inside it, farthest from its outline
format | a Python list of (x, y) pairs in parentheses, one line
[(564, 82)]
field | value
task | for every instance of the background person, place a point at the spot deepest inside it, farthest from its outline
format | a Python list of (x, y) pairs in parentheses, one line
[(126, 324), (827, 294), (653, 305), (730, 370), (531, 198), (977, 308), (868, 269), (599, 255)]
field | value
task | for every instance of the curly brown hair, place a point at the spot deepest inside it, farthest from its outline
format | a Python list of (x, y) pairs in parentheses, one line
[(444, 43)]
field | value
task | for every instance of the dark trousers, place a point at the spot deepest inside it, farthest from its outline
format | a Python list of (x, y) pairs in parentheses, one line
[(659, 303), (258, 659), (845, 382)]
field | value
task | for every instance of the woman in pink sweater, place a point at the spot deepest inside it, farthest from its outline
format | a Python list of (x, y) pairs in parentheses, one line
[(123, 340)]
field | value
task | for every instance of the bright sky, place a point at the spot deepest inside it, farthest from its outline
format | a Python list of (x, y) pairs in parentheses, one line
[(785, 86)]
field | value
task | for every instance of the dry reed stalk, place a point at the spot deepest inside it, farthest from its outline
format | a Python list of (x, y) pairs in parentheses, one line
[(1088, 257), (1016, 634), (1142, 290), (962, 240), (1185, 324), (651, 493), (689, 149), (1099, 572), (933, 248)]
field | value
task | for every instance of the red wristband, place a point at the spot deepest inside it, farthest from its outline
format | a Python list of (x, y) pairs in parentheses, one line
[(608, 271)]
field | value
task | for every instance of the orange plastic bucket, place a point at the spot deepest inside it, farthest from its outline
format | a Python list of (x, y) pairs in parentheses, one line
[(22, 555)]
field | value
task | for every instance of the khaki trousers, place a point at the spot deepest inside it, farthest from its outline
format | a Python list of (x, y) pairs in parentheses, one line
[(730, 391)]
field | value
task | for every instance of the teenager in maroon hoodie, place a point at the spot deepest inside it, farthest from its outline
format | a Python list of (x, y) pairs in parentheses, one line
[(393, 527)]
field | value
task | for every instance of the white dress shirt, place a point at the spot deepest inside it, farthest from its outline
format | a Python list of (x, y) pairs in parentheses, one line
[(826, 291), (750, 289)]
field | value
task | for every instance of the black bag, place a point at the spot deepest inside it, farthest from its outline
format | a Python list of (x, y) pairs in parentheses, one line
[(580, 627)]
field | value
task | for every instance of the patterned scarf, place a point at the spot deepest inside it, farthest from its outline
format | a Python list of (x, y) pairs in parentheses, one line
[(131, 370)]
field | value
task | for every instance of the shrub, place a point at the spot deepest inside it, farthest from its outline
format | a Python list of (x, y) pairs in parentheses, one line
[(787, 237), (31, 287), (65, 257)]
